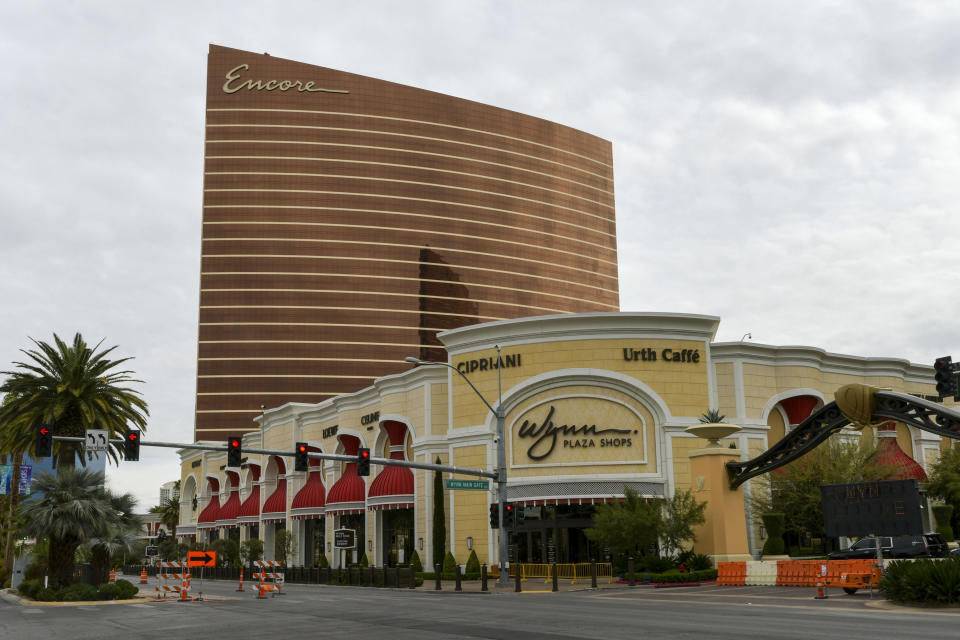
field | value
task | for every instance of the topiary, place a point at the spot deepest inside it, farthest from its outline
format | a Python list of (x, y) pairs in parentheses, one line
[(363, 561), (473, 563), (449, 567), (775, 524), (323, 562), (127, 589), (415, 563)]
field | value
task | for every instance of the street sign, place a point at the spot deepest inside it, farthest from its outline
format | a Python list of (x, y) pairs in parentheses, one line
[(202, 559), (151, 551), (344, 538), (97, 440), (482, 485)]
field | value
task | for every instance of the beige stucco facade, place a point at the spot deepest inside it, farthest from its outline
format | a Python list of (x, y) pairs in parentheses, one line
[(593, 402)]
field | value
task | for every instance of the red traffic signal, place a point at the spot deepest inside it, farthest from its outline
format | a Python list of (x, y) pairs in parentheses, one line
[(301, 457), (44, 445), (131, 445), (234, 452), (363, 462)]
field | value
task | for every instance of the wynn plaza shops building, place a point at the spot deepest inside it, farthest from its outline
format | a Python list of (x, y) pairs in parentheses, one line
[(594, 403), (348, 220)]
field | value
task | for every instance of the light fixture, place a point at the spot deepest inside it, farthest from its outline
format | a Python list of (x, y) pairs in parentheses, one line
[(469, 543), (420, 543), (328, 547), (369, 545)]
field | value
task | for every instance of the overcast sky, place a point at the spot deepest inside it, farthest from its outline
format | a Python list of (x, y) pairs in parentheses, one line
[(793, 167)]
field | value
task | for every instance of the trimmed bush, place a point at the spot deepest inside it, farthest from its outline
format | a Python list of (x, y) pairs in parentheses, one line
[(45, 594), (775, 523), (415, 563), (109, 591), (675, 577), (931, 582), (363, 561), (324, 564), (653, 564), (449, 571), (29, 588), (942, 513), (78, 591), (127, 589), (473, 564)]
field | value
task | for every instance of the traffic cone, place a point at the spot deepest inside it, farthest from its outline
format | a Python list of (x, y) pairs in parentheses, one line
[(821, 591), (143, 576), (240, 588), (184, 586), (113, 575), (263, 590)]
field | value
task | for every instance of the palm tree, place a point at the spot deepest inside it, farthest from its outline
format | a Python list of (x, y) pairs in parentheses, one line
[(122, 528), (169, 512), (72, 388), (68, 508)]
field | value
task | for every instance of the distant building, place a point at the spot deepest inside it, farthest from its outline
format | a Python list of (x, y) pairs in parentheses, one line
[(169, 491)]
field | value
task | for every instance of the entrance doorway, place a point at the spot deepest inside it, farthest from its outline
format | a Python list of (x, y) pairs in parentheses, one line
[(397, 536), (554, 533)]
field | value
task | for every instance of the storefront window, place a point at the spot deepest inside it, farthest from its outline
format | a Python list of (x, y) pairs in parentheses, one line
[(397, 537)]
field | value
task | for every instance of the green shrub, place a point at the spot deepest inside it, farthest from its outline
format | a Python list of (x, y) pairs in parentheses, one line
[(653, 564), (127, 589), (29, 588), (942, 514), (775, 523), (932, 582), (363, 561), (675, 577), (109, 591), (473, 564), (78, 591), (45, 594), (415, 563), (449, 571), (324, 564), (692, 561)]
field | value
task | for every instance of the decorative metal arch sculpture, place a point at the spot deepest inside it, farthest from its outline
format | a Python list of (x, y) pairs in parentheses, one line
[(855, 404)]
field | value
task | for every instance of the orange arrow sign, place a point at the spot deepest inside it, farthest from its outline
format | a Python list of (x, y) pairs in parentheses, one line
[(202, 559)]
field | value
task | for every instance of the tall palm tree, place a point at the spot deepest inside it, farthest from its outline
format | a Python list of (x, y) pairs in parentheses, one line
[(169, 512), (122, 528), (72, 388), (67, 508)]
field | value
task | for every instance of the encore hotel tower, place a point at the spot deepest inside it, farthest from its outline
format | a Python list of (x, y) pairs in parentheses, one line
[(347, 220)]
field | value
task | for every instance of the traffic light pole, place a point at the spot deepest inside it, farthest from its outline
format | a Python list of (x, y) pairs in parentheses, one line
[(320, 456)]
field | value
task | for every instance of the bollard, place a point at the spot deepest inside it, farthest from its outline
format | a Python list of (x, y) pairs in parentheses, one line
[(436, 572), (821, 592), (516, 577), (413, 577), (483, 577), (593, 574), (556, 586), (385, 577), (457, 574), (633, 580), (373, 576)]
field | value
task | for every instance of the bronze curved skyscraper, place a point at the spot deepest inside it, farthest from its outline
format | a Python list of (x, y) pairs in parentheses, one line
[(347, 220)]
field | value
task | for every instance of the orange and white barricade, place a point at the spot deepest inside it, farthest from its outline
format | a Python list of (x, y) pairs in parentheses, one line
[(269, 572), (173, 577), (113, 576)]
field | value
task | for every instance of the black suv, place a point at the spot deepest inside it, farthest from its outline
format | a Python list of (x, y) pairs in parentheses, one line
[(928, 545)]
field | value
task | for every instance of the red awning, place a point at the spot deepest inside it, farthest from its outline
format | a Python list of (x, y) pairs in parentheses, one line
[(310, 500), (346, 494), (249, 512), (275, 508), (208, 517), (229, 510), (393, 486)]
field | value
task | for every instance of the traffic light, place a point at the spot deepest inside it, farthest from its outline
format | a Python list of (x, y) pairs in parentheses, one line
[(44, 448), (234, 452), (519, 516), (131, 445), (363, 462), (301, 459), (495, 515), (509, 515), (946, 381)]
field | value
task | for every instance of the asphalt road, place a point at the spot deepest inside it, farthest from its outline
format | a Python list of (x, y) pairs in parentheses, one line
[(314, 611)]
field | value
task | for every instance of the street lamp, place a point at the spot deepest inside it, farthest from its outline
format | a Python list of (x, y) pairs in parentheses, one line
[(500, 441)]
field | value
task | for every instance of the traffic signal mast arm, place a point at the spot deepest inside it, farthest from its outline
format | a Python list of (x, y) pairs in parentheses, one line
[(322, 456)]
